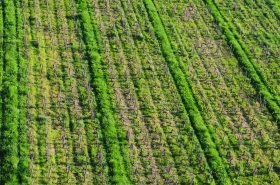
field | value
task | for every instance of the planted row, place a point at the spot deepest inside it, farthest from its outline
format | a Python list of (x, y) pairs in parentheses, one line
[(258, 28), (9, 129), (189, 102), (211, 74), (23, 152), (87, 101), (105, 112), (138, 115), (259, 82), (275, 6), (1, 73)]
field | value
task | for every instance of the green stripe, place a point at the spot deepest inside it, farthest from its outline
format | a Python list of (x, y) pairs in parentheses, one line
[(99, 84), (9, 144), (198, 124), (259, 79)]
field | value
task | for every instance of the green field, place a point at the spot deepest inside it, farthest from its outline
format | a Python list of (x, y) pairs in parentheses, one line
[(162, 92)]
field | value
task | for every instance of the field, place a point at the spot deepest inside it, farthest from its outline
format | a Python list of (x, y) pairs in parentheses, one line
[(120, 92)]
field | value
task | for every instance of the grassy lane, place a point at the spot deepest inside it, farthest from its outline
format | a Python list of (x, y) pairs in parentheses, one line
[(143, 93), (121, 132), (259, 32), (106, 114), (207, 96), (10, 114), (146, 170), (141, 116), (85, 138), (153, 95), (23, 143), (201, 130), (128, 112), (209, 75), (84, 107), (167, 102), (242, 53), (245, 90), (139, 73)]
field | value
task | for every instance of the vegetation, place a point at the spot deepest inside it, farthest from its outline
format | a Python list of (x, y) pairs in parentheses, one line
[(139, 92)]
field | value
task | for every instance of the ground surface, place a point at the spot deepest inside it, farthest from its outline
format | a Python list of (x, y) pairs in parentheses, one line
[(140, 92)]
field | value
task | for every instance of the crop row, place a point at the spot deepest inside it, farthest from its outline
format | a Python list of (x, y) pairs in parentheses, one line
[(150, 38), (259, 29), (9, 127), (23, 153), (275, 7), (189, 101), (53, 155), (41, 145), (86, 99), (128, 78), (107, 119), (242, 52), (222, 105), (150, 92), (23, 12)]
